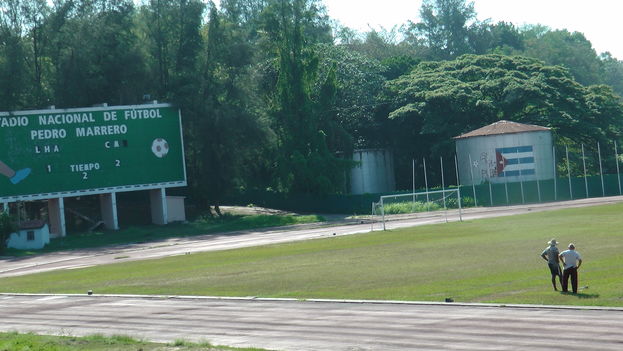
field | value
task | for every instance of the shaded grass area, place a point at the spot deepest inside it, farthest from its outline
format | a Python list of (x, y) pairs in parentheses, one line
[(205, 225), (32, 342), (490, 260)]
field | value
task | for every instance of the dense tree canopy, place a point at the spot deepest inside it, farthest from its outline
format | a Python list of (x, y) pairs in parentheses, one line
[(571, 50), (274, 95), (440, 100)]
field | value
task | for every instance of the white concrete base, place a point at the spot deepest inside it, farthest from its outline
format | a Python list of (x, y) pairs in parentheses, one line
[(108, 208), (56, 214), (158, 201)]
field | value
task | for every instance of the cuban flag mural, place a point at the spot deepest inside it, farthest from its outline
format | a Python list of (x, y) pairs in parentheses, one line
[(515, 161)]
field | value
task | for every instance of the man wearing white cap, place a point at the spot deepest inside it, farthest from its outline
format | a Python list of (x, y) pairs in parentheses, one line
[(571, 260), (550, 254)]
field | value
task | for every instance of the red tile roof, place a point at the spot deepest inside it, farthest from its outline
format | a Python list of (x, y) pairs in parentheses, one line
[(34, 224), (502, 127)]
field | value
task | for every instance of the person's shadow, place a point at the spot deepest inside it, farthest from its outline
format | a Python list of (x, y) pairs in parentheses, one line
[(580, 295)]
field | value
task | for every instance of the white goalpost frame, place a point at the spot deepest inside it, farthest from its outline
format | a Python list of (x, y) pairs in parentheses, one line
[(381, 202)]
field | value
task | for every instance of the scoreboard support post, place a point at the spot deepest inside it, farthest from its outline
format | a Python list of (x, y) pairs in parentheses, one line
[(56, 214), (158, 202), (108, 206)]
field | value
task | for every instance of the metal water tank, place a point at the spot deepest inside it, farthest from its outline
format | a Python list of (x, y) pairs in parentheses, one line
[(374, 172), (505, 151)]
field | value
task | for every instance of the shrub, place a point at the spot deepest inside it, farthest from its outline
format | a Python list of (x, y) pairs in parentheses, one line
[(410, 207), (7, 226)]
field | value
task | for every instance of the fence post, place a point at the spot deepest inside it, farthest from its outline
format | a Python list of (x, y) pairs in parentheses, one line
[(555, 185), (373, 213), (538, 185), (383, 212), (413, 204), (471, 172), (443, 186), (506, 190), (523, 200), (616, 159), (584, 164), (601, 172), (460, 209), (569, 173), (456, 168), (426, 179)]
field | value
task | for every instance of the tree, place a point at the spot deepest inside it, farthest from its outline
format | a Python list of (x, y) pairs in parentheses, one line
[(157, 21), (381, 44), (227, 137), (13, 67), (7, 226), (359, 80), (440, 100), (95, 53), (444, 28), (304, 162), (499, 38), (561, 47), (613, 72), (396, 66)]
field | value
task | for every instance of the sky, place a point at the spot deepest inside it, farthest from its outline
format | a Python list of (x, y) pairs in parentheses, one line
[(599, 20)]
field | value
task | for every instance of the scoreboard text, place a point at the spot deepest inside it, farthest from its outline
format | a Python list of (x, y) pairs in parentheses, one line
[(57, 153)]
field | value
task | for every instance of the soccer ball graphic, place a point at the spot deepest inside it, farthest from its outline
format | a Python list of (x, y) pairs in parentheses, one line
[(160, 147)]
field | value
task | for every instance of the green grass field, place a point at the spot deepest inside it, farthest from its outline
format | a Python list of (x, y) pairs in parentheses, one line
[(31, 342), (493, 260), (200, 226)]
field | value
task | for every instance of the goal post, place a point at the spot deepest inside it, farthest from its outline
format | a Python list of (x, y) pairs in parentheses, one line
[(421, 202)]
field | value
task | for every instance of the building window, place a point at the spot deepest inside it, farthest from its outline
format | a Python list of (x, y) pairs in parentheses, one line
[(30, 235)]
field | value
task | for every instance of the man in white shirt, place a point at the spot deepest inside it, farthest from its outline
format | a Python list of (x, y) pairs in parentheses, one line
[(571, 260)]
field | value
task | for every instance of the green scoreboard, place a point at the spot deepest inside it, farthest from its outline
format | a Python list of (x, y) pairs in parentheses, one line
[(84, 151)]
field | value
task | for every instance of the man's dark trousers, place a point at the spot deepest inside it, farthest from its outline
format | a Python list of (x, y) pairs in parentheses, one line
[(573, 273)]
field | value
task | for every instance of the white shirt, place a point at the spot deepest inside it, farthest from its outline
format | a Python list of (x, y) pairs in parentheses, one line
[(571, 258)]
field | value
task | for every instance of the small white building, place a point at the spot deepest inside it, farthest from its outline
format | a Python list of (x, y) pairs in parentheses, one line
[(505, 151), (31, 235)]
